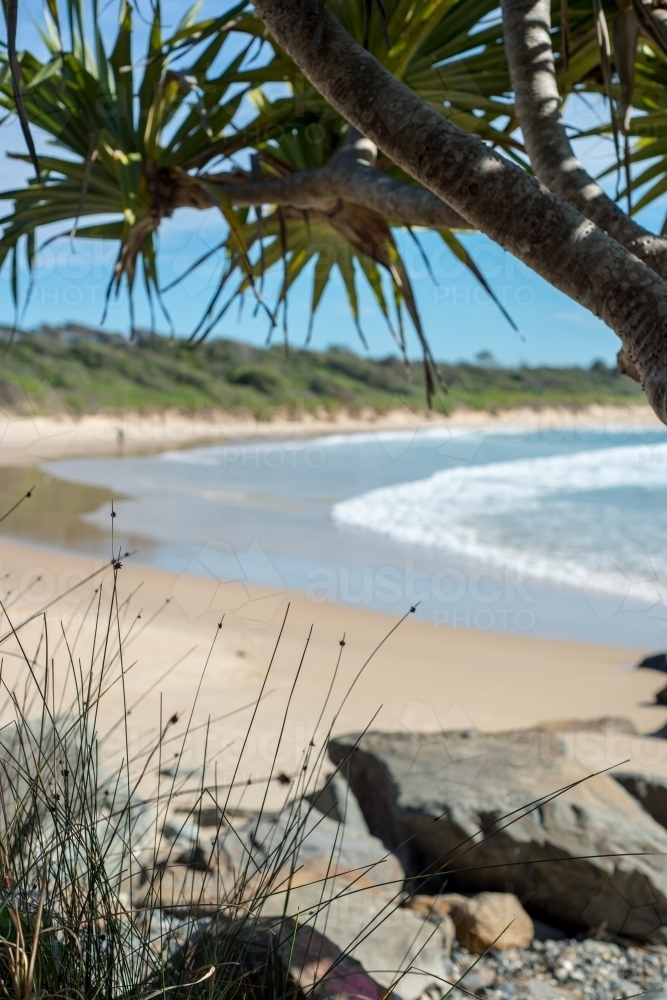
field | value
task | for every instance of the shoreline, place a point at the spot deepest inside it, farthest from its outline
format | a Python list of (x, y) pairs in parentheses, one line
[(457, 678), (205, 652), (26, 441)]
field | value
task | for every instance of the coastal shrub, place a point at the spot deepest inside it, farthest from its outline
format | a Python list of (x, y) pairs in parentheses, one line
[(323, 386), (349, 364), (390, 379), (258, 377), (91, 369), (89, 354)]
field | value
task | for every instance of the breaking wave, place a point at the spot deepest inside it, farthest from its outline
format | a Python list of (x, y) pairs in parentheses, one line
[(594, 519)]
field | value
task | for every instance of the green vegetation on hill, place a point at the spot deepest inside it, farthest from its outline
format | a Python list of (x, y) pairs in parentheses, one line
[(81, 371)]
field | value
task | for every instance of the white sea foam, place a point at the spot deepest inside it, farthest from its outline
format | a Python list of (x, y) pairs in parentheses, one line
[(481, 512)]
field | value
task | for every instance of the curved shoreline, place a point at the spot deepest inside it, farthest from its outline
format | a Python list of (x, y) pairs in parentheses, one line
[(30, 440)]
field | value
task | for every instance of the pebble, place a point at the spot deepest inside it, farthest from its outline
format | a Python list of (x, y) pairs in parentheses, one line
[(549, 970)]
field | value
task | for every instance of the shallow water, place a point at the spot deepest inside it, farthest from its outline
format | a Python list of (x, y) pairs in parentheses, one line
[(548, 533), (53, 514)]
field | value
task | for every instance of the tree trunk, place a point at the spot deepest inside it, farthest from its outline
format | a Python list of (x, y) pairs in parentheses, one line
[(527, 25), (496, 196)]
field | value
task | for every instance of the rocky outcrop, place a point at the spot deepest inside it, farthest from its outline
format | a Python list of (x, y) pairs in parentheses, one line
[(488, 920), (637, 762), (513, 812), (320, 969), (344, 884), (323, 895), (335, 799), (650, 790), (657, 661), (315, 848)]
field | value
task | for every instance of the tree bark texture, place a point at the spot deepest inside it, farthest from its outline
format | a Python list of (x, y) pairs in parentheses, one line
[(527, 25), (496, 196)]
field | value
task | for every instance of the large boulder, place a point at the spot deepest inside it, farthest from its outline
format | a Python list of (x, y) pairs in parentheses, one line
[(334, 798), (342, 883), (320, 969), (637, 762), (269, 951), (650, 790), (513, 812)]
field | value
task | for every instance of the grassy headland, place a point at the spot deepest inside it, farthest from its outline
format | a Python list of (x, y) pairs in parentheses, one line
[(80, 371)]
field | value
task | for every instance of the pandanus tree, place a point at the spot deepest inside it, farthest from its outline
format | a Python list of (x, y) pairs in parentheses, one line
[(162, 133), (317, 129)]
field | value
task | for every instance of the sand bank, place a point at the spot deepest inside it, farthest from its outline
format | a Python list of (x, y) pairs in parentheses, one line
[(29, 440), (421, 678)]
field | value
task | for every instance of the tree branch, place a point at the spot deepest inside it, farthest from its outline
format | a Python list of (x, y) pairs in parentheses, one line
[(527, 25), (350, 175), (495, 195)]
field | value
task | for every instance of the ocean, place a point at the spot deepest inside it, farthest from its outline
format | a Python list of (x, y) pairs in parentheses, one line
[(551, 533)]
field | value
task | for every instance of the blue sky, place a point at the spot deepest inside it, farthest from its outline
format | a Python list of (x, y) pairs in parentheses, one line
[(458, 317)]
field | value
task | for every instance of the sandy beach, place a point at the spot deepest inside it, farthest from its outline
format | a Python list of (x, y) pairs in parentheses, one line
[(29, 440), (419, 677)]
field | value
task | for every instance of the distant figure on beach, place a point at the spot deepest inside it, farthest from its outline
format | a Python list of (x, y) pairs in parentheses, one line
[(120, 438)]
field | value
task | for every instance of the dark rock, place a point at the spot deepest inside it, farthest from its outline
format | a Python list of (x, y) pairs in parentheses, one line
[(265, 950), (321, 970), (657, 661), (650, 790), (545, 932), (335, 799), (453, 808)]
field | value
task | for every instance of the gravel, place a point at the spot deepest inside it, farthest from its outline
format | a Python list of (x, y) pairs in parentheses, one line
[(589, 970)]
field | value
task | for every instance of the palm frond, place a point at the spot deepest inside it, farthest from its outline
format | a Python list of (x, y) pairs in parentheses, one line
[(143, 132)]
